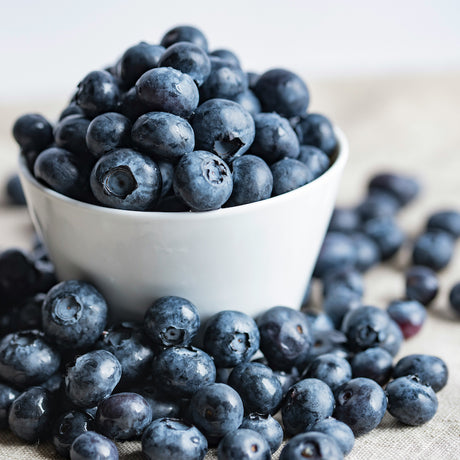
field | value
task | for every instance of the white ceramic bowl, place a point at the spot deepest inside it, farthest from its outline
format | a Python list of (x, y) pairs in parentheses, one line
[(247, 258)]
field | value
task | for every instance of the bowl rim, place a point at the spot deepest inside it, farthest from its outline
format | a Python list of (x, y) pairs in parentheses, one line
[(341, 158)]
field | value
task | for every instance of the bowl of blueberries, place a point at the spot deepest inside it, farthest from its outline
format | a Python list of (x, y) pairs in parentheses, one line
[(176, 172)]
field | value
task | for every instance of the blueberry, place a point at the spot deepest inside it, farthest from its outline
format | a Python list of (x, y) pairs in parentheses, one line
[(386, 234), (274, 138), (421, 284), (93, 446), (287, 379), (167, 177), (319, 322), (223, 127), (183, 371), (366, 327), (216, 410), (7, 396), (259, 388), (27, 359), (68, 427), (430, 370), (454, 297), (168, 90), (62, 171), (14, 191), (243, 444), (129, 345), (361, 404), (403, 188), (328, 341), (331, 369), (366, 250), (268, 427), (131, 106), (433, 249), (289, 174), (74, 314), (337, 251), (203, 181), (71, 109), (314, 445), (92, 377), (226, 55), (123, 416), (33, 132), (185, 34), (166, 439), (377, 205), (338, 430), (282, 91), (225, 81), (161, 405), (249, 101), (163, 135), (252, 180), (343, 220), (347, 278), (70, 134), (125, 179), (410, 401), (373, 363), (315, 159), (394, 338), (31, 414), (231, 338), (315, 129), (137, 59), (97, 93), (188, 58), (410, 316), (107, 132), (446, 221), (306, 403), (285, 337)]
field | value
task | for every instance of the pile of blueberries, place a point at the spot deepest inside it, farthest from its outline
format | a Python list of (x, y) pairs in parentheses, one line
[(174, 127)]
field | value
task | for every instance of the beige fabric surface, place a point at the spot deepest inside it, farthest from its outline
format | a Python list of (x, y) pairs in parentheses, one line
[(407, 124)]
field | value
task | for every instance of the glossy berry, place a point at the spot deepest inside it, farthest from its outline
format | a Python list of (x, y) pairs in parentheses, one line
[(275, 139), (227, 55), (167, 177), (410, 315), (306, 403), (14, 191), (168, 90), (394, 338), (91, 445), (203, 181), (287, 378), (31, 414), (313, 445), (249, 101), (185, 34), (338, 430), (92, 377), (433, 249), (259, 388), (243, 444), (317, 130), (377, 205), (252, 180), (161, 405), (182, 371), (224, 128), (131, 106), (315, 159), (74, 314), (327, 342), (402, 187), (171, 321), (289, 174), (331, 369), (361, 404), (68, 427), (446, 221), (430, 370), (125, 179), (454, 297), (107, 132), (373, 363), (167, 438), (7, 396), (123, 416), (33, 132), (268, 427), (26, 359), (70, 134), (282, 91), (231, 337), (285, 337), (366, 250), (216, 410), (343, 220), (422, 284), (163, 136), (410, 401), (386, 234), (347, 278)]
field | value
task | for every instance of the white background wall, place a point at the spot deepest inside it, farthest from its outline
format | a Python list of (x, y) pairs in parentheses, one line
[(47, 46)]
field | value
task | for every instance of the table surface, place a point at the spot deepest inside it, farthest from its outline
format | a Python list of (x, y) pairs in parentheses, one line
[(407, 124)]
